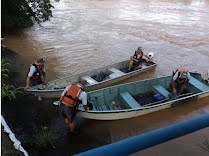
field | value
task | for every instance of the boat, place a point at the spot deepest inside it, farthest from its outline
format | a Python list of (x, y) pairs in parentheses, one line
[(141, 97), (111, 74)]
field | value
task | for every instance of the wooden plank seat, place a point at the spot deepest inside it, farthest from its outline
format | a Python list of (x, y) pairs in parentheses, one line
[(115, 73), (160, 89), (90, 80), (197, 84), (129, 100), (114, 70)]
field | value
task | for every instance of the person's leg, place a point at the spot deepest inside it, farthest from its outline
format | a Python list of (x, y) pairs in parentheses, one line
[(39, 81), (139, 66), (71, 113), (130, 65), (182, 87), (35, 83), (63, 112), (173, 88)]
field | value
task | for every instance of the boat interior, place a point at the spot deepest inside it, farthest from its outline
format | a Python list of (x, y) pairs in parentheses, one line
[(141, 94), (92, 77)]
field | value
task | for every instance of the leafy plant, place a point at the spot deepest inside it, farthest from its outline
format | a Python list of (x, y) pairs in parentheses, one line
[(4, 68), (7, 91), (44, 137), (205, 144)]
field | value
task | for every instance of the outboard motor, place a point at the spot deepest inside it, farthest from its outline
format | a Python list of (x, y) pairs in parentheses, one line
[(151, 59), (151, 56)]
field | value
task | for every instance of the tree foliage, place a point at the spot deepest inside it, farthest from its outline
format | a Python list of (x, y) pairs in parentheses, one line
[(24, 13)]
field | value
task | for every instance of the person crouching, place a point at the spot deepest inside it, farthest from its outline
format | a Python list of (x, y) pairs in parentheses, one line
[(179, 81), (72, 96)]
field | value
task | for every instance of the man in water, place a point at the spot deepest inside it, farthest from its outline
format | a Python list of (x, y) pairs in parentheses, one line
[(137, 60), (71, 97), (179, 81), (36, 75)]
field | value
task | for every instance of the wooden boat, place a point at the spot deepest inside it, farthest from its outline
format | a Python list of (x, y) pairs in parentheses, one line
[(113, 73), (139, 98)]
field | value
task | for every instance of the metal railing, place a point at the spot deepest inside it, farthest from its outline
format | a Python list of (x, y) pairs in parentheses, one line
[(149, 139)]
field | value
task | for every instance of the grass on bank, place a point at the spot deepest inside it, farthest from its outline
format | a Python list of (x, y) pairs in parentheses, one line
[(205, 144), (44, 137)]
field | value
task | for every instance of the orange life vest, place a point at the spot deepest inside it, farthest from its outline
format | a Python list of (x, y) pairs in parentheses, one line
[(71, 97)]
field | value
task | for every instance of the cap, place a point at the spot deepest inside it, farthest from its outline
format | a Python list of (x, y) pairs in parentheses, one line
[(40, 60), (139, 48)]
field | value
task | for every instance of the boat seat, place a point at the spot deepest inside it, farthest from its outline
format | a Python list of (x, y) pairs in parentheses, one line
[(161, 90), (129, 100), (90, 80), (114, 70), (197, 84), (114, 75)]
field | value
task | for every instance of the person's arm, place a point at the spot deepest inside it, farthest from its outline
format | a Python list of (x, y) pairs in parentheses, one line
[(185, 84), (84, 100), (183, 87), (147, 57), (44, 76), (133, 59), (27, 85), (173, 82), (173, 86), (30, 74)]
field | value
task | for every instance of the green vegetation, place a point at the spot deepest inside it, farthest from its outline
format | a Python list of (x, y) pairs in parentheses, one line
[(24, 13), (7, 91), (205, 144), (44, 137)]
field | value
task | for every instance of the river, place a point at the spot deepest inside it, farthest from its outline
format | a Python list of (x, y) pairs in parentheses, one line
[(87, 34)]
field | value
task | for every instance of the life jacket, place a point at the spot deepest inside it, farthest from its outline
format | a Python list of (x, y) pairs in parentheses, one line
[(179, 79), (71, 97), (135, 56), (38, 73)]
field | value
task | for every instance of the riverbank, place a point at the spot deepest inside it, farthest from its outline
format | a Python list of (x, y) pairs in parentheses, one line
[(25, 115)]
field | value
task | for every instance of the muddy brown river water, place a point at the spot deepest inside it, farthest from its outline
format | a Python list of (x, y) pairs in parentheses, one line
[(87, 34)]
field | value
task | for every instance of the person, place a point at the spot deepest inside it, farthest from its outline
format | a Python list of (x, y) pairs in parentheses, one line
[(179, 81), (72, 96), (36, 75), (137, 60)]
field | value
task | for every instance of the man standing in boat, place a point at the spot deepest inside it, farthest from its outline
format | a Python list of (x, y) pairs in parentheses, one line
[(179, 81), (72, 96), (137, 60), (36, 75)]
